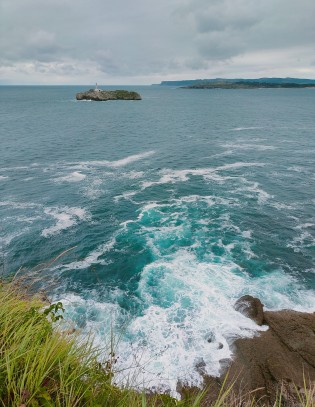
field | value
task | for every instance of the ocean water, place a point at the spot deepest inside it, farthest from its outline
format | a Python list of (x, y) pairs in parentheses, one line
[(171, 208)]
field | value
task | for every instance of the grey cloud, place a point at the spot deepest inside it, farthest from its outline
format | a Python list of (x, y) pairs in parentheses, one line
[(220, 45), (230, 27), (145, 38), (220, 17), (196, 63)]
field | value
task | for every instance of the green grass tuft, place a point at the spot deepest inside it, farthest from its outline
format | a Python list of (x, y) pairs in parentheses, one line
[(43, 366)]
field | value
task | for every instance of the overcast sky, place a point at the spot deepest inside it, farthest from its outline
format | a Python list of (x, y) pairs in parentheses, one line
[(146, 41)]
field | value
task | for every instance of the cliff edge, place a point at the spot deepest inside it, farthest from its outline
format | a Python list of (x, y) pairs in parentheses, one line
[(279, 360)]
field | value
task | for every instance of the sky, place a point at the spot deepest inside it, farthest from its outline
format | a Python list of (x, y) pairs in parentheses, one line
[(144, 41)]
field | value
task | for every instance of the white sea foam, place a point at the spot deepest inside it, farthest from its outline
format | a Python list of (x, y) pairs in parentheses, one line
[(105, 314), (3, 178), (169, 176), (7, 239), (94, 188), (125, 195), (247, 128), (113, 164), (247, 234), (92, 257), (223, 154), (19, 205), (133, 174), (280, 206), (238, 165), (297, 168), (78, 166), (306, 225), (14, 168), (188, 315), (254, 188), (23, 218), (249, 146), (131, 159), (305, 237), (304, 240), (66, 217), (75, 176)]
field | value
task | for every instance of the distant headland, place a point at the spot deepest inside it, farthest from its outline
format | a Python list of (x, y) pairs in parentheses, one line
[(100, 95), (223, 83)]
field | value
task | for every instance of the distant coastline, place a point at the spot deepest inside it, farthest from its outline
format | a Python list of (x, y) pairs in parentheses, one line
[(247, 85), (241, 83)]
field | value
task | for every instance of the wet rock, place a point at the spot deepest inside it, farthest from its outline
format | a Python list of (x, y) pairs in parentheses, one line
[(251, 307), (200, 366), (279, 359), (211, 338)]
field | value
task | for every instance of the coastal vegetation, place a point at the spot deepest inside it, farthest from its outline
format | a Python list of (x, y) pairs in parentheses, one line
[(44, 363)]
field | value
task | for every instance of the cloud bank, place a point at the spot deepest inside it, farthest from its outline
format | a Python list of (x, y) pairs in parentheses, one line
[(144, 41)]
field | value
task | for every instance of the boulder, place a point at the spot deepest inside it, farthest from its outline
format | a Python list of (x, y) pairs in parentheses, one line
[(251, 307)]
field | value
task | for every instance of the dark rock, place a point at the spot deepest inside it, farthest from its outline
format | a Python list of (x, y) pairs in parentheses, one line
[(104, 95), (211, 338), (282, 356), (225, 364), (296, 331), (251, 307), (200, 366), (278, 360)]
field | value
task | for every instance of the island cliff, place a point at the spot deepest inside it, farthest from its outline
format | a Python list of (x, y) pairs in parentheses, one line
[(104, 95)]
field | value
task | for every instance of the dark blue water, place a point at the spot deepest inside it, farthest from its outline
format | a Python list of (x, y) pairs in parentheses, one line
[(173, 207)]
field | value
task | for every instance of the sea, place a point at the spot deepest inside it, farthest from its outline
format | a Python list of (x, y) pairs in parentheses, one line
[(149, 219)]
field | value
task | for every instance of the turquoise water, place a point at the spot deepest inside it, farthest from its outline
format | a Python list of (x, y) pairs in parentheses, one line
[(173, 206)]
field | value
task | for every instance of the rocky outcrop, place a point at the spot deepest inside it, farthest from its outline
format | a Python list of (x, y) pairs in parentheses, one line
[(104, 95), (277, 360), (251, 307)]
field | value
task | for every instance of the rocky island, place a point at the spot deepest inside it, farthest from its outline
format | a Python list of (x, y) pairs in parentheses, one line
[(104, 95)]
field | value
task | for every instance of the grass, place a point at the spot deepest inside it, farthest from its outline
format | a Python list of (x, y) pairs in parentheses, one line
[(42, 365)]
